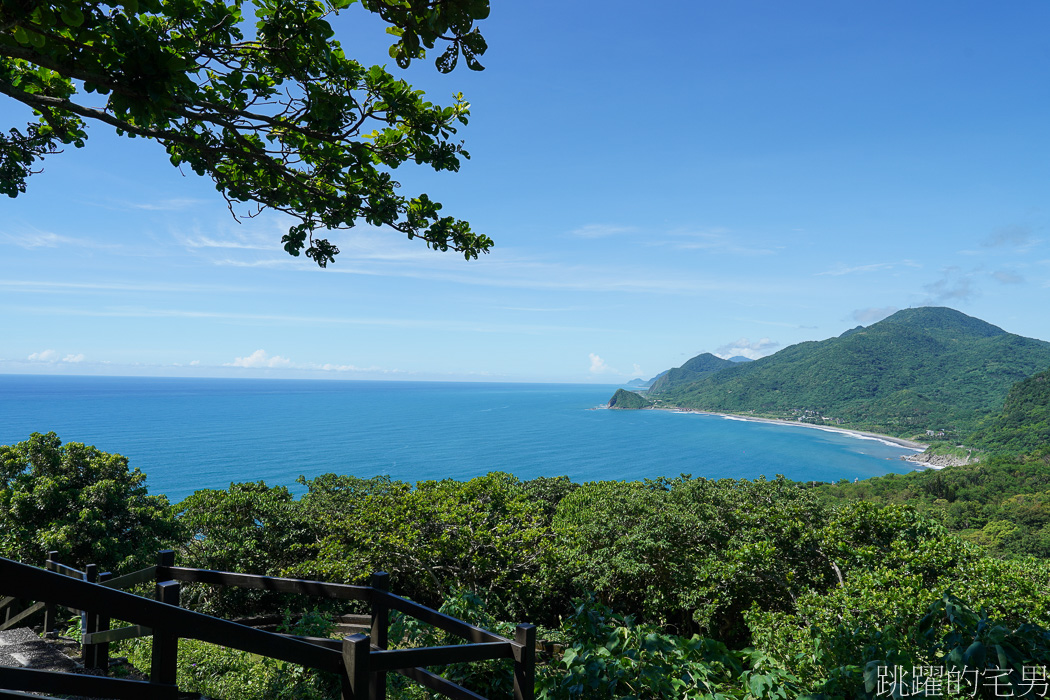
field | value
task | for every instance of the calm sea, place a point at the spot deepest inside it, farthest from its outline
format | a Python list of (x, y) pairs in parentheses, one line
[(189, 434)]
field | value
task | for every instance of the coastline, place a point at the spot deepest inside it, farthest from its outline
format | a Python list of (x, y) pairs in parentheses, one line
[(900, 442)]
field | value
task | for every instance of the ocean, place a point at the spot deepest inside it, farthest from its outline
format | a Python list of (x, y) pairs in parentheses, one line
[(189, 434)]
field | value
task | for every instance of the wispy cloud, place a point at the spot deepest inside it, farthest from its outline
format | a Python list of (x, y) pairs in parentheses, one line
[(368, 251), (531, 274), (601, 230), (714, 240), (52, 286), (231, 236), (30, 238), (954, 285), (1013, 236), (1007, 277), (453, 325), (541, 309), (779, 324), (842, 269), (173, 204), (873, 314), (342, 368), (745, 348)]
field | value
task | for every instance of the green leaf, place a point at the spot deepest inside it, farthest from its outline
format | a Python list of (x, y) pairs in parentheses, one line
[(73, 16)]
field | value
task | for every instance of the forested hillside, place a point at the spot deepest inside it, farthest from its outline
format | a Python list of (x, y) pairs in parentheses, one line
[(927, 368), (653, 589), (628, 399), (693, 370), (1024, 423)]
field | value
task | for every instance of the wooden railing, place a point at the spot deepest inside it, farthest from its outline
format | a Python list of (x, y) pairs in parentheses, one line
[(361, 661)]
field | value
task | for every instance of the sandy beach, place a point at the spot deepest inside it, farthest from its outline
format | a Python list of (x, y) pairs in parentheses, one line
[(888, 439)]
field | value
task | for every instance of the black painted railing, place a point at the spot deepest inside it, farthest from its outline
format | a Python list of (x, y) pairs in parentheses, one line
[(361, 661)]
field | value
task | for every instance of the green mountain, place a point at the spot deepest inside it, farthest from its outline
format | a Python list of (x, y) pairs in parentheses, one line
[(1024, 424), (928, 368), (628, 399), (693, 370)]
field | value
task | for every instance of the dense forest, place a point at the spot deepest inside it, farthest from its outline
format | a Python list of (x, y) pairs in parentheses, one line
[(675, 587)]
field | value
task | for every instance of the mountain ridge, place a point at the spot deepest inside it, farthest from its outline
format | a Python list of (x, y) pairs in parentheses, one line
[(925, 368), (693, 369)]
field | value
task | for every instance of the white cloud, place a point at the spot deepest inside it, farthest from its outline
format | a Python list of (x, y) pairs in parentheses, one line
[(79, 357), (195, 363), (744, 347), (598, 365), (44, 356), (259, 358)]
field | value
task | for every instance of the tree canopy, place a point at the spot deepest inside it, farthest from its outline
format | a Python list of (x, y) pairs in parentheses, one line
[(86, 504), (273, 111)]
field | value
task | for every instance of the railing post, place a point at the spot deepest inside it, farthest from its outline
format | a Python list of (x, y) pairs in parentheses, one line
[(380, 627), (89, 620), (165, 559), (165, 659), (50, 610), (101, 625), (525, 664), (355, 660)]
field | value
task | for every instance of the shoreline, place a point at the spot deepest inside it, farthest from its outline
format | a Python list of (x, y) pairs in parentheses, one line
[(889, 439)]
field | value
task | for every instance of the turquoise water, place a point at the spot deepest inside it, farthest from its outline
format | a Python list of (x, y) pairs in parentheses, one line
[(188, 434)]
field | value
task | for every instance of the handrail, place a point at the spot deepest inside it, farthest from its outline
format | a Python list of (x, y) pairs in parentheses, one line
[(147, 575), (14, 679), (471, 633), (30, 582), (63, 569), (270, 583), (361, 661), (394, 659)]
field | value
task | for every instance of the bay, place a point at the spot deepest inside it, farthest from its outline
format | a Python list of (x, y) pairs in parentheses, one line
[(189, 434)]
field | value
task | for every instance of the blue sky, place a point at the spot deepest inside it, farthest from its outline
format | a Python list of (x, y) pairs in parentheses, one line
[(661, 179)]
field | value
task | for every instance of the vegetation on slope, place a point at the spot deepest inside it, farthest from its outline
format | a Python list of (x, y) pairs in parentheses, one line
[(1024, 423), (921, 369), (628, 399), (693, 370), (1001, 503)]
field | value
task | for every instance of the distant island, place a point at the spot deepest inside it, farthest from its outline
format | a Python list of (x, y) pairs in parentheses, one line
[(929, 373)]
